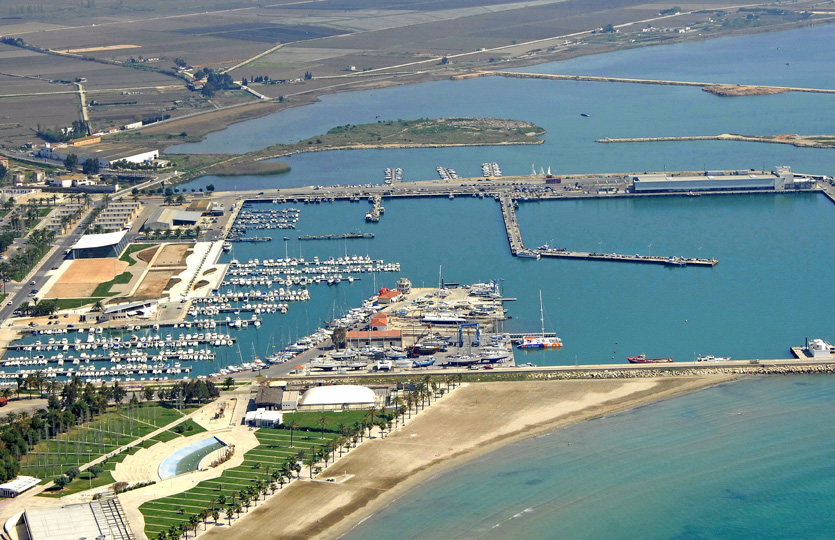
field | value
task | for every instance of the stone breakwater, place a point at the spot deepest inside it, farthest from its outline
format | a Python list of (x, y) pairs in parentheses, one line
[(683, 372)]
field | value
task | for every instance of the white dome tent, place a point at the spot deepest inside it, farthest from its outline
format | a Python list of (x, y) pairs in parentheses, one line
[(337, 397)]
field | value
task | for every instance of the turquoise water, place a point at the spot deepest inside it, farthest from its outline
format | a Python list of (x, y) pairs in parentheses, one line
[(764, 296), (747, 460)]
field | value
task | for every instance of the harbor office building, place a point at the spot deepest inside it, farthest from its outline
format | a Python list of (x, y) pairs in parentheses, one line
[(780, 179), (100, 246)]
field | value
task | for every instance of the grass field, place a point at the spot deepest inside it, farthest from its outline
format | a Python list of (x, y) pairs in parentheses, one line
[(103, 289), (73, 303), (274, 449), (310, 420), (108, 432)]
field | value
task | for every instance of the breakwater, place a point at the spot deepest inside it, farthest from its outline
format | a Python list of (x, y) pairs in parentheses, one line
[(590, 78), (800, 142)]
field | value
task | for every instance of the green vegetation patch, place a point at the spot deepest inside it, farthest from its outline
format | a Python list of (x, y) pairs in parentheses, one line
[(258, 468), (82, 482), (103, 289), (313, 420), (74, 303), (131, 249)]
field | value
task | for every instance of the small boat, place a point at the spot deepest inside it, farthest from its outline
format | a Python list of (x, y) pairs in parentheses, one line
[(585, 115), (426, 362), (675, 261), (528, 254), (642, 359), (711, 358)]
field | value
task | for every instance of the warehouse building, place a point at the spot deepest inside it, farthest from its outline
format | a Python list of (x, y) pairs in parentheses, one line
[(779, 180), (100, 246)]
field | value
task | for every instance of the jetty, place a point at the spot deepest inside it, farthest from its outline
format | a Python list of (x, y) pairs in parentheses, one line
[(346, 236), (251, 239), (377, 209), (514, 235)]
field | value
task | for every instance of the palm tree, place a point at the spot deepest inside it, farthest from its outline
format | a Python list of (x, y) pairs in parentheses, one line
[(215, 515), (323, 421), (310, 462), (230, 513)]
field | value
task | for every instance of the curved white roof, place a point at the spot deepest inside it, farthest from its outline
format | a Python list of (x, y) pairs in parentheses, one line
[(338, 395), (100, 240)]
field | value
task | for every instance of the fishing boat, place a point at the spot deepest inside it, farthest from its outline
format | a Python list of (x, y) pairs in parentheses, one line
[(540, 341), (463, 360), (711, 358), (642, 359), (528, 254)]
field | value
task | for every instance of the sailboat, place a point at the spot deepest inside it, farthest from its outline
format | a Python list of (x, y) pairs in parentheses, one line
[(540, 342)]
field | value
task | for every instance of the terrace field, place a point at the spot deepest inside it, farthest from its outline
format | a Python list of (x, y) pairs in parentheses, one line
[(273, 451)]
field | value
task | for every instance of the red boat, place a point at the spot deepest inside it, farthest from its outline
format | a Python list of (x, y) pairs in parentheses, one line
[(642, 359)]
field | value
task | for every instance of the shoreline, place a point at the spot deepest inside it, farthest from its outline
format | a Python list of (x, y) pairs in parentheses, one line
[(450, 433), (419, 480)]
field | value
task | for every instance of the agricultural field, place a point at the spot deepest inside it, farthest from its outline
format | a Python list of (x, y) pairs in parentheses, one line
[(272, 452)]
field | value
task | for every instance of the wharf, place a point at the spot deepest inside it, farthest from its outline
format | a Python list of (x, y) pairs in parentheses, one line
[(377, 209)]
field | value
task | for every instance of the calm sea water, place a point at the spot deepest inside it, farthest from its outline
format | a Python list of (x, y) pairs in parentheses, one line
[(748, 460)]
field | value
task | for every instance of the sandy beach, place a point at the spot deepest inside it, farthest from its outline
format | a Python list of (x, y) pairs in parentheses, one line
[(471, 421)]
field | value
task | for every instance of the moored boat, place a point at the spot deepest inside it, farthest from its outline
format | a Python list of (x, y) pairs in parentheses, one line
[(711, 358), (642, 359)]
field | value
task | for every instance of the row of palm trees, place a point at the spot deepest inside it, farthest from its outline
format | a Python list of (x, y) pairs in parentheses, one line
[(415, 399)]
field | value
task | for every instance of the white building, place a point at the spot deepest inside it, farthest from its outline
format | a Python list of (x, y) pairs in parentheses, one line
[(263, 418), (15, 487), (337, 397), (819, 348)]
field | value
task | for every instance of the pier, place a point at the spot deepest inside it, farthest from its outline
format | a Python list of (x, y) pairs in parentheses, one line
[(347, 236), (514, 235), (377, 209)]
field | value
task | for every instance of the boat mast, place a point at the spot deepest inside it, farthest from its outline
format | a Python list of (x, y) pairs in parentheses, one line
[(541, 314)]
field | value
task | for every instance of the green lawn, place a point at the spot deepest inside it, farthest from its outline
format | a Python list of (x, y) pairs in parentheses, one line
[(103, 289), (82, 444), (81, 483), (73, 303), (131, 249), (271, 453), (310, 420)]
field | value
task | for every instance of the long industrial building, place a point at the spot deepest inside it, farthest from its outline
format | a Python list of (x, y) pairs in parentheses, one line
[(780, 179)]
